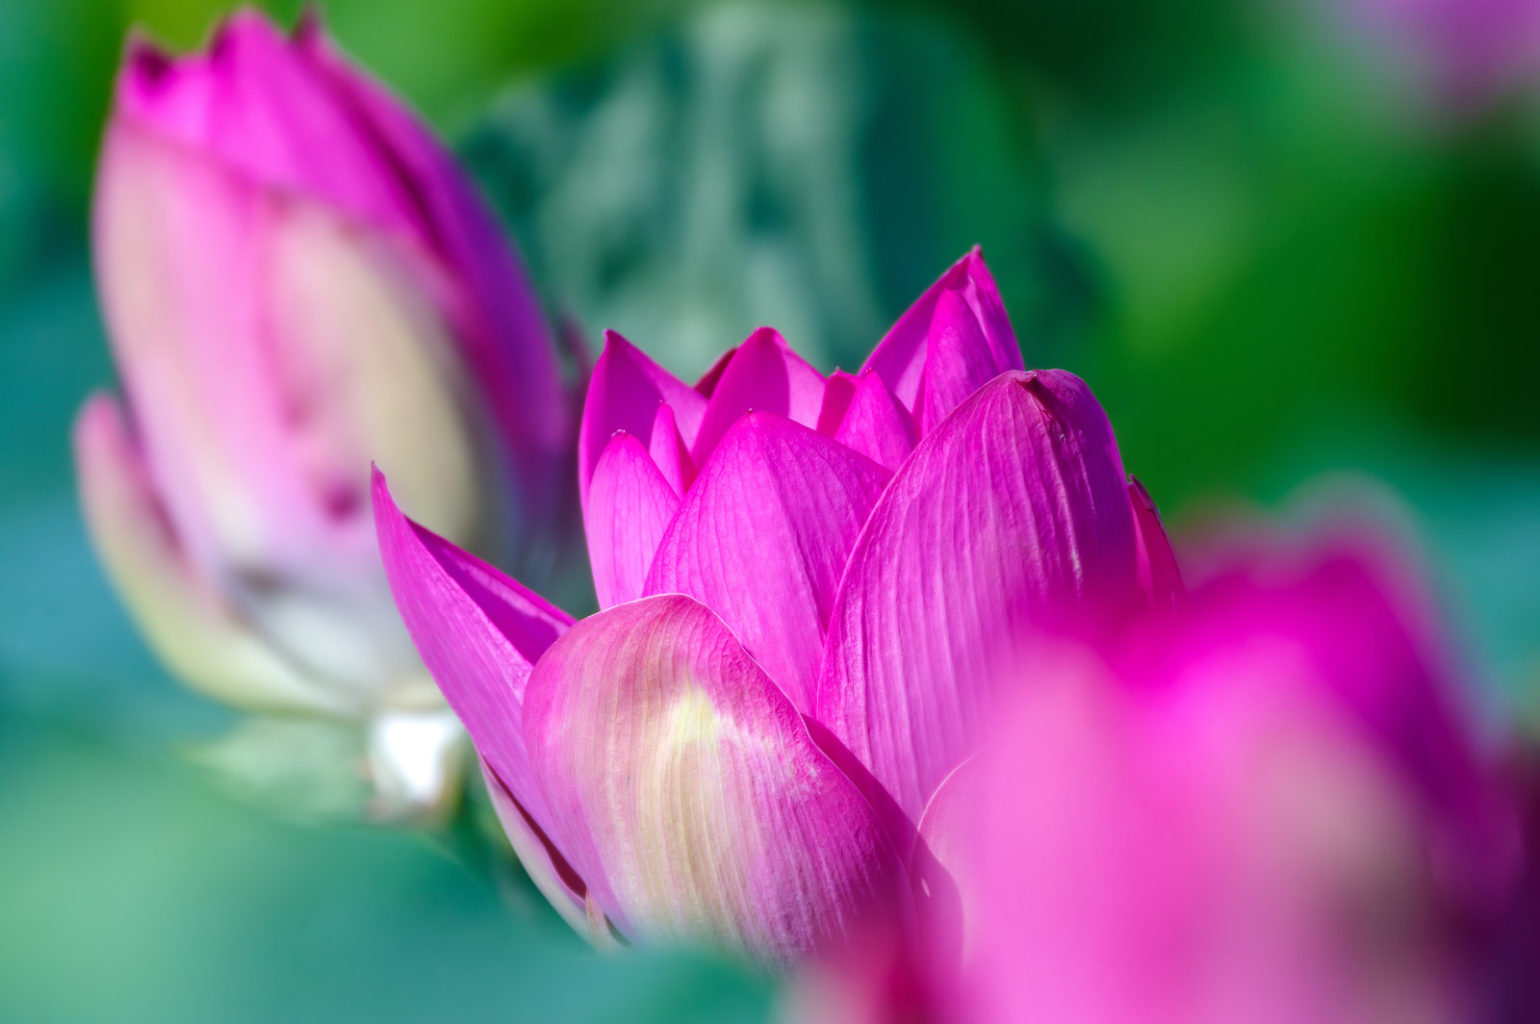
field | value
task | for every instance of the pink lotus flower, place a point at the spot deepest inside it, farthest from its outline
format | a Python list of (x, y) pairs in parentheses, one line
[(297, 280), (1267, 805), (805, 584)]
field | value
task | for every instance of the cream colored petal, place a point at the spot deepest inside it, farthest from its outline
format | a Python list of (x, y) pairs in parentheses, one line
[(185, 622)]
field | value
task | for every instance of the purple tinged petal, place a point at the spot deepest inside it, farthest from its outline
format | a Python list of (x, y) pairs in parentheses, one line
[(765, 375), (763, 537), (1012, 516), (876, 425), (686, 782), (478, 632), (630, 505), (902, 356), (624, 394), (1159, 576)]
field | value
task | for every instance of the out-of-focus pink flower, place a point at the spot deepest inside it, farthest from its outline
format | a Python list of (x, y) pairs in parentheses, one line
[(1468, 52), (1267, 805), (807, 584), (297, 280)]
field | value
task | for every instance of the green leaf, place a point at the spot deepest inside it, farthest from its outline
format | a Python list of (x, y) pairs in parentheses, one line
[(808, 167)]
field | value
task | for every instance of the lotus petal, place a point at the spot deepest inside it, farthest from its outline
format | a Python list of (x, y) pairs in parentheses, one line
[(764, 375), (624, 394), (763, 537), (630, 504), (1012, 516), (683, 778)]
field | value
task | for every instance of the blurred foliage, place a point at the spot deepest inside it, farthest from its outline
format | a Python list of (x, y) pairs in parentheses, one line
[(808, 167), (1264, 255)]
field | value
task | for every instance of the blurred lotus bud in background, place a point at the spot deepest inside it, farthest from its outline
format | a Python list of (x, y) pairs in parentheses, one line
[(298, 281), (1462, 54), (1271, 803)]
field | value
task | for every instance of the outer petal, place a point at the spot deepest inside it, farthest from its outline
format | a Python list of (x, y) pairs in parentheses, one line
[(876, 425), (685, 779), (1159, 576), (624, 394), (901, 358), (478, 632), (284, 123), (764, 375), (762, 539), (544, 864), (255, 104), (630, 504), (1352, 620), (1012, 515), (501, 324), (181, 616)]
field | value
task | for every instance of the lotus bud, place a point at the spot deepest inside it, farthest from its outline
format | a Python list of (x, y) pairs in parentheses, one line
[(298, 281)]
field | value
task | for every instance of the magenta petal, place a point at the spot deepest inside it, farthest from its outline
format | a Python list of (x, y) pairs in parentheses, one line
[(958, 360), (765, 375), (763, 537), (708, 380), (876, 425), (838, 390), (624, 394), (1012, 515), (902, 355), (504, 329), (943, 864), (1159, 576), (630, 504), (1360, 627), (478, 632), (685, 781), (255, 103), (668, 452)]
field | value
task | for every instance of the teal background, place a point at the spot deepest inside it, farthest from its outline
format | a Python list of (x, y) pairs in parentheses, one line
[(1273, 259)]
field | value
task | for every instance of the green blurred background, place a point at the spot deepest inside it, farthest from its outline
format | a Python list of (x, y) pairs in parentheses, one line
[(1269, 249)]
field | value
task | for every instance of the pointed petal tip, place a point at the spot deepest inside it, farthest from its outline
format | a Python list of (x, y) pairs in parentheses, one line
[(244, 23), (145, 62), (765, 335), (614, 340), (310, 29), (379, 489)]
